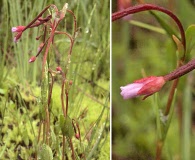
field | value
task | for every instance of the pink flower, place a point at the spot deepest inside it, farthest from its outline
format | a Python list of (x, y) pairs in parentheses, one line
[(145, 86), (18, 29), (32, 59)]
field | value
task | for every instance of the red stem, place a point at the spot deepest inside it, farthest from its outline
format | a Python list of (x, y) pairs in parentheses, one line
[(159, 150), (75, 23), (145, 7), (50, 88), (47, 51), (62, 95), (171, 95), (39, 15), (72, 148), (66, 92), (63, 147), (180, 71)]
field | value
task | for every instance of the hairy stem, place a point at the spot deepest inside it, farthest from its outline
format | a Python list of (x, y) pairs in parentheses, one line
[(180, 71)]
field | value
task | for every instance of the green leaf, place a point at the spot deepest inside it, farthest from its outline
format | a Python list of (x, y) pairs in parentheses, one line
[(147, 26), (66, 126), (170, 115), (190, 38), (53, 138), (2, 91), (25, 137), (163, 24), (163, 121), (45, 153), (2, 151), (44, 87), (42, 113)]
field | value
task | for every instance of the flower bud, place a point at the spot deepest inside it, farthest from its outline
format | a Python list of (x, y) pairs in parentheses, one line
[(40, 46), (70, 82), (18, 29), (32, 59), (59, 69), (17, 37), (77, 136), (63, 11), (146, 86)]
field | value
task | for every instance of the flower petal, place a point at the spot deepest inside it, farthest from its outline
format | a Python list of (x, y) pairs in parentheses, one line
[(14, 29), (130, 90)]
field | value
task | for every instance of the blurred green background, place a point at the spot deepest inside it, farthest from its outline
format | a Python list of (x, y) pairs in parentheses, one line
[(138, 52)]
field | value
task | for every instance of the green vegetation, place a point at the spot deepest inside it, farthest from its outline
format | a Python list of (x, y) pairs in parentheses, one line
[(21, 95)]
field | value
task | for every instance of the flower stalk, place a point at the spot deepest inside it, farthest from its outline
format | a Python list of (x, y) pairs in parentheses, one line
[(150, 85), (180, 71), (50, 24)]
